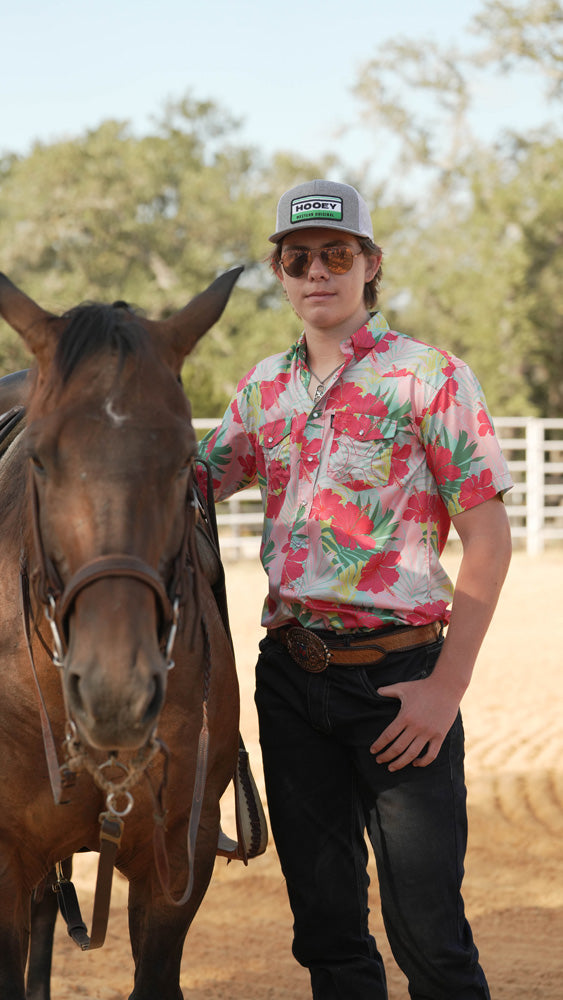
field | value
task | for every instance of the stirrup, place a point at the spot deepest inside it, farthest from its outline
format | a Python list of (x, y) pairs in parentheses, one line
[(227, 847), (252, 828)]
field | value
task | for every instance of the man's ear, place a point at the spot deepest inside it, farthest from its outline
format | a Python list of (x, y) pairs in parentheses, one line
[(278, 271), (373, 267)]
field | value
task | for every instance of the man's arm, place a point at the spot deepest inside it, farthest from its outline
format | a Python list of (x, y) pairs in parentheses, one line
[(229, 451), (429, 706)]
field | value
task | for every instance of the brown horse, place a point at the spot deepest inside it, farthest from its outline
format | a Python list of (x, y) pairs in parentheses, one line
[(100, 587)]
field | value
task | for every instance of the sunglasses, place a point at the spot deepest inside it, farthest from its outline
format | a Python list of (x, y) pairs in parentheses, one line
[(339, 260)]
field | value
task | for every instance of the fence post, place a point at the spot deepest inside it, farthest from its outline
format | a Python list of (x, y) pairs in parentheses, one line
[(535, 486)]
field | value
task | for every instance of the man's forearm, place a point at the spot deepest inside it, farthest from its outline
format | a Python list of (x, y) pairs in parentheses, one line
[(487, 547)]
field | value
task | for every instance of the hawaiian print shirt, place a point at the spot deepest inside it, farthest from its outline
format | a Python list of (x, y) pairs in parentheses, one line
[(359, 487)]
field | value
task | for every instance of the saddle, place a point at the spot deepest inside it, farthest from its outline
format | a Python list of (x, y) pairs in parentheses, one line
[(10, 427)]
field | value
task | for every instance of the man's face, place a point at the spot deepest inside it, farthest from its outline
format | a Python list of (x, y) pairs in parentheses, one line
[(321, 298)]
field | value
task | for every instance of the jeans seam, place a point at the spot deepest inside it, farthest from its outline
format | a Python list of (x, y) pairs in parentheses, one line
[(460, 872), (359, 864)]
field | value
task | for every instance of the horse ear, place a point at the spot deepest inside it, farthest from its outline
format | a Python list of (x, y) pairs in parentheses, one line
[(33, 324), (182, 331)]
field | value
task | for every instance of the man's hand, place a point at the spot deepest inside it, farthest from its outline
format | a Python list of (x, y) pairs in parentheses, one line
[(415, 736)]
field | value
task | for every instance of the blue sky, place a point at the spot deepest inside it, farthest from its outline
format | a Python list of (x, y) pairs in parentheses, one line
[(286, 69)]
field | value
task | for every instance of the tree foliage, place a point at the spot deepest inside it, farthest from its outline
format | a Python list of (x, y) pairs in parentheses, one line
[(478, 270), (473, 234), (151, 220)]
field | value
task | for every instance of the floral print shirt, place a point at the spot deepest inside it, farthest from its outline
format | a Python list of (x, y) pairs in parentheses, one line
[(358, 488)]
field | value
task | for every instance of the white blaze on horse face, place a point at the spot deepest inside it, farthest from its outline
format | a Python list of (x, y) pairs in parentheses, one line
[(116, 418)]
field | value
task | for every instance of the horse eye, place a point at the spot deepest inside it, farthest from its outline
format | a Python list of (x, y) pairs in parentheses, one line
[(37, 463), (186, 465)]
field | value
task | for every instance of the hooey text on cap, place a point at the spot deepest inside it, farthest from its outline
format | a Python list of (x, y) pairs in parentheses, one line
[(303, 209)]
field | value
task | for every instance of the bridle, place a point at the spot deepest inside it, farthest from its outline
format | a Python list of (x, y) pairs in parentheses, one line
[(58, 599), (57, 602)]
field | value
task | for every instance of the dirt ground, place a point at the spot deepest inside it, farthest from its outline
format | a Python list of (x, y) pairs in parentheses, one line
[(239, 947)]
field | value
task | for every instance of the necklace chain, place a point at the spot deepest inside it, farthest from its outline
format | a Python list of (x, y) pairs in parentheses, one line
[(326, 378), (320, 388)]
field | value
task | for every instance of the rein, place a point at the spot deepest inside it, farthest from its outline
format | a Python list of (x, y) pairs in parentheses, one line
[(57, 602)]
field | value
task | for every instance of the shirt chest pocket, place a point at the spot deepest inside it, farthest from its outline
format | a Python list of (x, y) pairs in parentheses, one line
[(274, 439), (361, 449)]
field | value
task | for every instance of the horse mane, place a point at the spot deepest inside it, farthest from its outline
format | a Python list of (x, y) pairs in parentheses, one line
[(93, 328)]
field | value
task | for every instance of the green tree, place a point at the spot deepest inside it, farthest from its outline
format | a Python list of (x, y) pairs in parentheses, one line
[(153, 220), (478, 270)]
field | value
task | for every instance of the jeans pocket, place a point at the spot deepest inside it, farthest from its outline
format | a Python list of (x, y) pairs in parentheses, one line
[(409, 665), (432, 653)]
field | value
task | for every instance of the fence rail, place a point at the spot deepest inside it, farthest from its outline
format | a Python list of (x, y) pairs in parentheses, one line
[(533, 448)]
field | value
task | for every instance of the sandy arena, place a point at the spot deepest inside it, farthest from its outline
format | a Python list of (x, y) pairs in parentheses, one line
[(239, 947)]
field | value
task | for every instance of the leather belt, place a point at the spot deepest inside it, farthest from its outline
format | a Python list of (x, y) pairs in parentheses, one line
[(314, 654)]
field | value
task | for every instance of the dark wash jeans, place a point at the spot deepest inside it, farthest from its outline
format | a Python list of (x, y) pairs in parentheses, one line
[(324, 789)]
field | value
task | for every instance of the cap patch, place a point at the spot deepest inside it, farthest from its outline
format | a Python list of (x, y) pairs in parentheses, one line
[(305, 209)]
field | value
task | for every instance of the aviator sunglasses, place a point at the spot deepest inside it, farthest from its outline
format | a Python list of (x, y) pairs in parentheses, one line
[(339, 260)]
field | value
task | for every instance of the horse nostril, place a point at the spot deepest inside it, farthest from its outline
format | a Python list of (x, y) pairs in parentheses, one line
[(73, 687), (155, 704)]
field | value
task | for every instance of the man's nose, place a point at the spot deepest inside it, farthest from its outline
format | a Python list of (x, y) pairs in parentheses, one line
[(318, 268)]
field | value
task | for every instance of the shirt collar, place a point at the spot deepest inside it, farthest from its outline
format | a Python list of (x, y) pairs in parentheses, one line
[(364, 340), (359, 344)]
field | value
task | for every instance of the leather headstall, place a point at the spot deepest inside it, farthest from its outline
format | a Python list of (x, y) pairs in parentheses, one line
[(59, 599)]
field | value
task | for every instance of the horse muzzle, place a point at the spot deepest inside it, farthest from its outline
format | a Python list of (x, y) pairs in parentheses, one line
[(114, 668), (113, 719)]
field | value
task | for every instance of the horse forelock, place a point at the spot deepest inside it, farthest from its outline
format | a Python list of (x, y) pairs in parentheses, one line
[(94, 328), (81, 334)]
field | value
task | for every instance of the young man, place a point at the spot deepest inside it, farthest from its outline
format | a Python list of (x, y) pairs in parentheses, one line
[(365, 444)]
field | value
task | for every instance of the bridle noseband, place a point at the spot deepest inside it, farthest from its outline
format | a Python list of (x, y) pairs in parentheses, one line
[(58, 600), (114, 566)]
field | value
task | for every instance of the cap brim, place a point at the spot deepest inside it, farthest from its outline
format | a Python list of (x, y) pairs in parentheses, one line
[(315, 224)]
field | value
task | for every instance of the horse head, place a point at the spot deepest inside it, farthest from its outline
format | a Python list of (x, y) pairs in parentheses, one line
[(110, 449)]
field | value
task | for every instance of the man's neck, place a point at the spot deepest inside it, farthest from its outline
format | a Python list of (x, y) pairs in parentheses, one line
[(323, 346)]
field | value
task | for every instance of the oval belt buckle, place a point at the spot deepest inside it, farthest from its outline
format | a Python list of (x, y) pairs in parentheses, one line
[(308, 650)]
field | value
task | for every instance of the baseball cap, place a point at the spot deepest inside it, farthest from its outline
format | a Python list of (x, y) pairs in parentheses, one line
[(325, 205)]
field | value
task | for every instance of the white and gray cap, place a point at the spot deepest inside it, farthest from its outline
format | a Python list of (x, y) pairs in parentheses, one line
[(322, 205)]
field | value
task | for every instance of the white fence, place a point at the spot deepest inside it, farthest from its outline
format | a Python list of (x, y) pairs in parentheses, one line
[(534, 451)]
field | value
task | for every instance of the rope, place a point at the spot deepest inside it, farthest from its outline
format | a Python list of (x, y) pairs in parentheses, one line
[(78, 759)]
